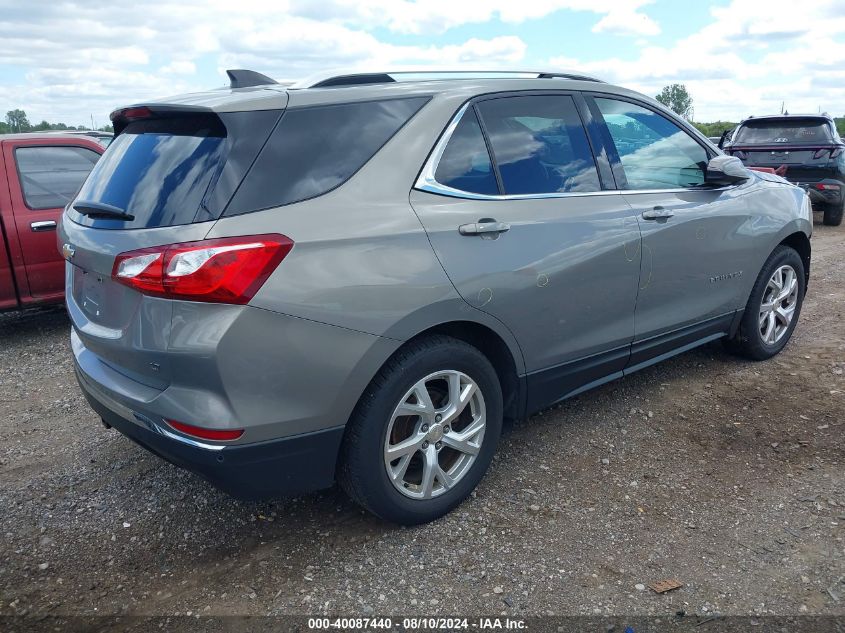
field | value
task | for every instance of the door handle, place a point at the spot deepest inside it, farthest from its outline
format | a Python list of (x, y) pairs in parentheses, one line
[(484, 226), (657, 213), (39, 227)]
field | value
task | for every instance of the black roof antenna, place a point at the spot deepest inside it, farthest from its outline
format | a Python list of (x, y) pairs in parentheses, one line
[(248, 79)]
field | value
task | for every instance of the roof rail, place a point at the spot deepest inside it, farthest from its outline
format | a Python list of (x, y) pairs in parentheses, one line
[(248, 79), (357, 78)]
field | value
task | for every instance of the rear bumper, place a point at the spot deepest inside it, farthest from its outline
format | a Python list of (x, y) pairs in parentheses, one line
[(823, 196), (291, 465)]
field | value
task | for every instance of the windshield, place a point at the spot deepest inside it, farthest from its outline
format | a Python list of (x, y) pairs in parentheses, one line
[(776, 131)]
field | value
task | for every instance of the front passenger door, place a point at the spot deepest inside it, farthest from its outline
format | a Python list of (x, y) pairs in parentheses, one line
[(696, 240)]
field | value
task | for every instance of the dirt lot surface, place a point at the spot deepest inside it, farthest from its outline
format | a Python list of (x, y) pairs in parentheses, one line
[(724, 474)]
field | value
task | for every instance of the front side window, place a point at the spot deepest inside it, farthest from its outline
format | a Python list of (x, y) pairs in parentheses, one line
[(51, 175), (654, 152), (539, 145)]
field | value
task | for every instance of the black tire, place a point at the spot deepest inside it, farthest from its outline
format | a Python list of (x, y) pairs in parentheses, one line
[(361, 468), (833, 214), (748, 340)]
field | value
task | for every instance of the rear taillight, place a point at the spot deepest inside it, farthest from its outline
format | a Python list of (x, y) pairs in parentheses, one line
[(225, 270), (836, 153), (820, 153), (217, 435), (822, 186)]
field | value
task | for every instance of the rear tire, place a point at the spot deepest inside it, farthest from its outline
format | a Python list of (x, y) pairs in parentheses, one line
[(833, 214), (437, 406), (773, 308)]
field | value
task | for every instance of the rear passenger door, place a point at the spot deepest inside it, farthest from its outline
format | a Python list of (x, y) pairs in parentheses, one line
[(696, 240), (526, 229), (43, 178)]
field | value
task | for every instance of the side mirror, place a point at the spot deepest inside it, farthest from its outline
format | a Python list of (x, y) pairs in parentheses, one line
[(723, 138), (725, 170)]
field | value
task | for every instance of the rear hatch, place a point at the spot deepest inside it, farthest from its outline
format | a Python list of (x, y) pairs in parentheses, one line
[(165, 179), (802, 149)]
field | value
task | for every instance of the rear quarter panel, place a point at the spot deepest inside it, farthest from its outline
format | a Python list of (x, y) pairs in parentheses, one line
[(361, 259)]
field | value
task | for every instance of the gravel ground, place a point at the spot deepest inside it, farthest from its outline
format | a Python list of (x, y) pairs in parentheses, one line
[(725, 474)]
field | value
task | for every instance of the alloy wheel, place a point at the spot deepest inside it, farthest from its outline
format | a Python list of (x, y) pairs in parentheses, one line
[(435, 434), (777, 308)]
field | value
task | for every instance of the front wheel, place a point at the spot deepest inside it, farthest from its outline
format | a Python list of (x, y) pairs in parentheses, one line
[(424, 432), (771, 313)]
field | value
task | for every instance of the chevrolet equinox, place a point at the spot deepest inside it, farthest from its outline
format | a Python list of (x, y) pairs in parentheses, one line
[(358, 277)]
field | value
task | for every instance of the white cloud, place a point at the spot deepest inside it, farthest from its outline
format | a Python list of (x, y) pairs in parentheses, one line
[(627, 23), (749, 59), (434, 16), (179, 67)]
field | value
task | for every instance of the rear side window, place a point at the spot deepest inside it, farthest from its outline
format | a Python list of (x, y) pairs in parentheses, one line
[(539, 145), (774, 131), (51, 175), (316, 149), (465, 164), (654, 152)]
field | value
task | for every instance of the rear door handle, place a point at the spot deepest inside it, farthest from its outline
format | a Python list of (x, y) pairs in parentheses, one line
[(484, 226), (657, 213), (39, 227)]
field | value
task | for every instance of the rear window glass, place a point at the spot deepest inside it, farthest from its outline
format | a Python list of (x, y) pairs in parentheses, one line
[(767, 132), (51, 175), (159, 170), (465, 163), (316, 149), (177, 169)]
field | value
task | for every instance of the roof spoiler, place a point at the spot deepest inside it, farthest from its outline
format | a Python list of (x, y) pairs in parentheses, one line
[(239, 78)]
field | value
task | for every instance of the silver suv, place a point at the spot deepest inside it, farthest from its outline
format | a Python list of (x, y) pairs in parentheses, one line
[(358, 277)]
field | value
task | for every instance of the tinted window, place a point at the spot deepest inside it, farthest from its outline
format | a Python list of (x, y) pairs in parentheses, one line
[(772, 131), (465, 163), (51, 176), (159, 170), (539, 145), (176, 170), (654, 152), (315, 149)]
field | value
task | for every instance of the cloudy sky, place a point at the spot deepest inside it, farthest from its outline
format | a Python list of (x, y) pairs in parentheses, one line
[(66, 60)]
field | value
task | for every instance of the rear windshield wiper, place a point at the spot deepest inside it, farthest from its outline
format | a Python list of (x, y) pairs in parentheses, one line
[(101, 210)]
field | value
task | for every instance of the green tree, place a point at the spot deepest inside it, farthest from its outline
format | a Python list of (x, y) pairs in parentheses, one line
[(17, 121), (716, 128), (677, 98)]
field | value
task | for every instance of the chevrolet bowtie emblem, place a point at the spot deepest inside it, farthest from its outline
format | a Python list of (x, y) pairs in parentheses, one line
[(68, 251)]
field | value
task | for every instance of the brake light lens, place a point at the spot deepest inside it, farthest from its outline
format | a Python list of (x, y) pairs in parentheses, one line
[(836, 153), (826, 187), (131, 114), (217, 435), (226, 270), (821, 152)]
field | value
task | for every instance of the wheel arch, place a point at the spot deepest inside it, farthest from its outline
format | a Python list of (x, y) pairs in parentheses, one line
[(497, 351), (800, 243)]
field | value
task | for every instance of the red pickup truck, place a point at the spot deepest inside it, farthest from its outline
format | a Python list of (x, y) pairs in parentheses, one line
[(39, 175)]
